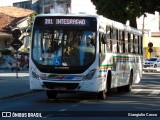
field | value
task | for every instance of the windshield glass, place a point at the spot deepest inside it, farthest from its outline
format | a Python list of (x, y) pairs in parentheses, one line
[(63, 47), (152, 59)]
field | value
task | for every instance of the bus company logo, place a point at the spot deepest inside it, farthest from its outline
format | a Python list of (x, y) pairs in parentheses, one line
[(6, 114), (123, 67)]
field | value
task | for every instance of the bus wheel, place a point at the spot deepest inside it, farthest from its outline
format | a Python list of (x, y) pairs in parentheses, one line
[(128, 87), (51, 94), (155, 66), (101, 95)]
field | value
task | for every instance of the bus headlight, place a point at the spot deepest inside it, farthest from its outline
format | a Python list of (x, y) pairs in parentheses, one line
[(90, 75)]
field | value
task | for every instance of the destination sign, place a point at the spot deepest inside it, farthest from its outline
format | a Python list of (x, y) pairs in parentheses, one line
[(65, 21)]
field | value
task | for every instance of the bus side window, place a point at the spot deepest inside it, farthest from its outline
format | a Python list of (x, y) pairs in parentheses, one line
[(117, 34), (101, 49), (136, 45), (108, 43), (126, 42), (131, 43), (114, 40), (140, 51), (120, 42), (129, 47)]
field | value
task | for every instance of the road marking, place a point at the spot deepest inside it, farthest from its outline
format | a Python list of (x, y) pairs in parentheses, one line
[(136, 90), (63, 110), (75, 105), (51, 115), (154, 93)]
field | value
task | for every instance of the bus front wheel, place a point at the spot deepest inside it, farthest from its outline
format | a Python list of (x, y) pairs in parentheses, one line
[(128, 87), (103, 94), (51, 94)]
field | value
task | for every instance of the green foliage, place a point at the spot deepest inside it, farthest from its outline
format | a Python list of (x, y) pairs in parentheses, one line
[(123, 10), (30, 20), (24, 50)]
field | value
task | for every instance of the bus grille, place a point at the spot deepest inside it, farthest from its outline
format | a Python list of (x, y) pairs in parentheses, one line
[(68, 86)]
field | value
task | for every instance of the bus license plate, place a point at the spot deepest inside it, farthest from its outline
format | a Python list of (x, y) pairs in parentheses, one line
[(60, 88)]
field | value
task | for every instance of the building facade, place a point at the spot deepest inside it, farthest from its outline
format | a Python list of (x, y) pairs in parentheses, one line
[(24, 4), (58, 6), (10, 18), (149, 24)]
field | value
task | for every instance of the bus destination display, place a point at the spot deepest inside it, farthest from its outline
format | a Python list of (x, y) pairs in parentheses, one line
[(65, 21)]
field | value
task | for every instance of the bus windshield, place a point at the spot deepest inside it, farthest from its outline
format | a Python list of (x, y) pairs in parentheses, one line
[(58, 47)]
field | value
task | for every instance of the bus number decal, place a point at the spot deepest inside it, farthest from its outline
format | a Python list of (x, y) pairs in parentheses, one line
[(48, 21)]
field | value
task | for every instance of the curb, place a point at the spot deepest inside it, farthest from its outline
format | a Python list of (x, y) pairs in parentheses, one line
[(18, 95)]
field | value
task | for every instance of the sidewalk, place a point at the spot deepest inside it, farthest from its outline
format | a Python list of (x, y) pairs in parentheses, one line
[(10, 85)]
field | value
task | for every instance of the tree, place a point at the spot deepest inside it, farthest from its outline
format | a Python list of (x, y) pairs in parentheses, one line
[(123, 10)]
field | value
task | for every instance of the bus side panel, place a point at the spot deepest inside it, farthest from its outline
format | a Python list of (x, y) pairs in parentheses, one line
[(121, 66), (35, 84), (138, 74)]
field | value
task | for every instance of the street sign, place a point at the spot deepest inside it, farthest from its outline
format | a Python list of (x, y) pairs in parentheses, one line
[(16, 33), (150, 50), (150, 44), (16, 44)]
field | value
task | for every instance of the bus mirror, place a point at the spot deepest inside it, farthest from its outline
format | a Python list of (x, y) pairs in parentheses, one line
[(104, 39)]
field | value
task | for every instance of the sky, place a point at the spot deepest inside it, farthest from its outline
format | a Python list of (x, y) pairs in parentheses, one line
[(9, 2)]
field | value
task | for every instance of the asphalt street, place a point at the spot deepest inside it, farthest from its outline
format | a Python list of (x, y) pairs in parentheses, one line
[(12, 84)]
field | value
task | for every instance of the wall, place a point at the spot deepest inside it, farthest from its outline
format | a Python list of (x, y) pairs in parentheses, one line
[(151, 25)]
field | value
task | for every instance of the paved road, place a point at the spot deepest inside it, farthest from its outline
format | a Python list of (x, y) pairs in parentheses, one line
[(144, 97), (10, 85)]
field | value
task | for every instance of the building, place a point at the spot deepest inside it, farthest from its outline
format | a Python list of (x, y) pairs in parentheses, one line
[(58, 6), (24, 4), (149, 23), (10, 18)]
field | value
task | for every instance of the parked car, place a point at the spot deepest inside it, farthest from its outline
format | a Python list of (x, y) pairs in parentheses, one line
[(152, 62)]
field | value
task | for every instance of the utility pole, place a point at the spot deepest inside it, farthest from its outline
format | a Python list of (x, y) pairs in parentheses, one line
[(144, 15)]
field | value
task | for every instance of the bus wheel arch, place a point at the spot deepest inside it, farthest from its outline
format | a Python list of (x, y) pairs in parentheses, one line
[(103, 94), (128, 87), (108, 82)]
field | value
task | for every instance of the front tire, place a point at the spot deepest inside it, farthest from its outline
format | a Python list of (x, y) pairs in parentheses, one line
[(155, 66), (51, 94), (103, 94), (128, 87)]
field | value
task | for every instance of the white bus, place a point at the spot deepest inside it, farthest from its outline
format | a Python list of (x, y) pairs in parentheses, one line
[(83, 53)]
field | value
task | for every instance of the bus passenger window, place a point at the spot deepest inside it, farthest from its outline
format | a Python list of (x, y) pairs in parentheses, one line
[(108, 43), (131, 43), (120, 42), (114, 40), (136, 44), (126, 42)]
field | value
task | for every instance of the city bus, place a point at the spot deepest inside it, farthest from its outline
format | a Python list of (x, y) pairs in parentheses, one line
[(83, 53)]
